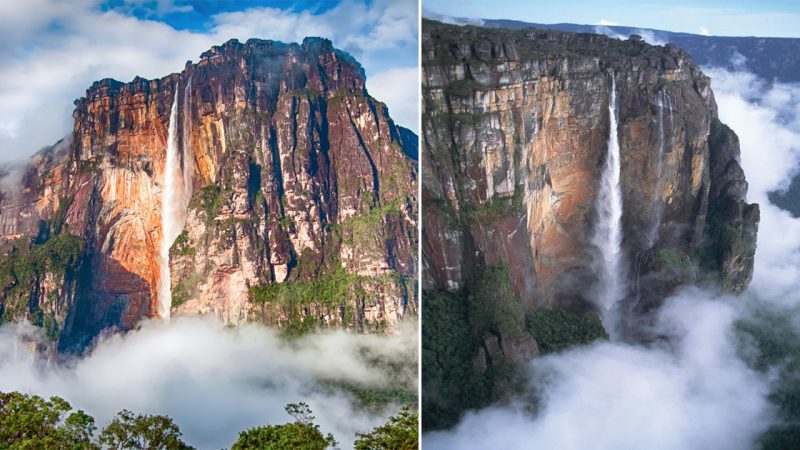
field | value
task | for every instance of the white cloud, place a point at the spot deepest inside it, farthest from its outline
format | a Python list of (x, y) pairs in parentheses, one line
[(648, 36), (37, 88), (704, 31), (404, 103), (607, 23), (213, 380), (651, 37), (602, 29), (53, 51)]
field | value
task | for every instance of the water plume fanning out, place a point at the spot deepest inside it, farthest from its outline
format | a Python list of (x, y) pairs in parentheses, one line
[(607, 236)]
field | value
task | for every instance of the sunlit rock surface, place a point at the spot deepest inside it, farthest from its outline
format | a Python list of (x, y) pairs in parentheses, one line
[(298, 175)]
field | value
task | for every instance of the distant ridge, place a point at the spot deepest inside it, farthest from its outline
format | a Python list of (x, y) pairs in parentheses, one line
[(771, 58)]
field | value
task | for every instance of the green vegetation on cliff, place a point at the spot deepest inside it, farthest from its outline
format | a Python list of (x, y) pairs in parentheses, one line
[(496, 208), (319, 287), (335, 293), (731, 224), (333, 289), (460, 327), (450, 384), (376, 399), (209, 199), (34, 273), (23, 269), (29, 260), (491, 303), (557, 330), (295, 298)]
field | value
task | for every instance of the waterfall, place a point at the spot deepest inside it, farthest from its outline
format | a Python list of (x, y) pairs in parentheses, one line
[(658, 205), (171, 211), (607, 236)]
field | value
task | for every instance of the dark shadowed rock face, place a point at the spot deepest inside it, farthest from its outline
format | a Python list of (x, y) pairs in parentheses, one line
[(515, 136), (300, 181)]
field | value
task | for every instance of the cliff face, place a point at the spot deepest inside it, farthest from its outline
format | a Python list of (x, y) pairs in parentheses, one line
[(516, 127), (515, 138), (769, 58), (297, 196)]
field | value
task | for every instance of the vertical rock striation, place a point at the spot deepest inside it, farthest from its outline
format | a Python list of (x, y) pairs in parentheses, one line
[(294, 201)]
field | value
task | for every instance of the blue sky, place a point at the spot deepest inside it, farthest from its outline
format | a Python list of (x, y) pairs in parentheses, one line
[(195, 15), (779, 18), (53, 50)]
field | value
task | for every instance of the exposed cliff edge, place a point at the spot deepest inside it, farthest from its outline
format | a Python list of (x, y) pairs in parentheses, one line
[(297, 194), (515, 137)]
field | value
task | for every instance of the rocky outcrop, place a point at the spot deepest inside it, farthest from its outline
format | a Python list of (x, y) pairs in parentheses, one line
[(767, 57), (732, 223), (293, 176), (515, 129)]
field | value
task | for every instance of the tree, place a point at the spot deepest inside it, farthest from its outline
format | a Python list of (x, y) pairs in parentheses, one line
[(31, 422), (141, 432), (301, 434), (400, 432)]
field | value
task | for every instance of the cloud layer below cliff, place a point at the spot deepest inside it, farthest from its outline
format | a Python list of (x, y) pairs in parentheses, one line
[(214, 380), (695, 393), (52, 51), (692, 391)]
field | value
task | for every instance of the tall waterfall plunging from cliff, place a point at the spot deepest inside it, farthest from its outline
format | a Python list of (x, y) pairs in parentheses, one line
[(171, 211), (607, 237)]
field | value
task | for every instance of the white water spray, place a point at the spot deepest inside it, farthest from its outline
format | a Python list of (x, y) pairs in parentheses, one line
[(607, 237), (171, 211)]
